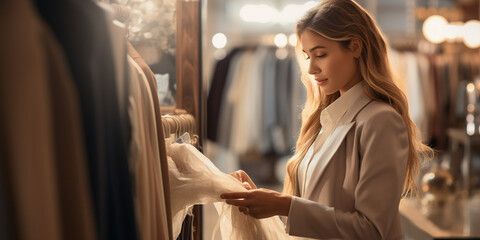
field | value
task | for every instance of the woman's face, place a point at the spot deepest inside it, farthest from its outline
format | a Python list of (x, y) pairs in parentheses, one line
[(332, 65)]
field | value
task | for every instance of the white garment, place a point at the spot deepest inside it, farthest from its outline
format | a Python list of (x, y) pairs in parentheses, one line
[(428, 90), (399, 69), (144, 159), (251, 107), (195, 180), (416, 102), (329, 119), (247, 94), (230, 99)]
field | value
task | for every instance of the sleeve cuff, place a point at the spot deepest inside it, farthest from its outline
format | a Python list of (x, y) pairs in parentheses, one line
[(287, 225), (307, 218)]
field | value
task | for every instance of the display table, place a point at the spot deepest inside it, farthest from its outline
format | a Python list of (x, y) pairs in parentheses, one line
[(416, 226)]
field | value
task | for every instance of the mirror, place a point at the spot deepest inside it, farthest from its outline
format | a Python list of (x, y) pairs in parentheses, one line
[(152, 28)]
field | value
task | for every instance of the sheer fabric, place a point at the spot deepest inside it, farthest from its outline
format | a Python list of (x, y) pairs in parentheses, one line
[(194, 179)]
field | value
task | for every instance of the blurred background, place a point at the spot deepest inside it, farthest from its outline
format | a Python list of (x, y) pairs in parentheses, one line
[(255, 96), (91, 89)]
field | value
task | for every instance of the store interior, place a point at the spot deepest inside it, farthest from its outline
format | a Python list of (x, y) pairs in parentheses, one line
[(436, 59), (225, 71)]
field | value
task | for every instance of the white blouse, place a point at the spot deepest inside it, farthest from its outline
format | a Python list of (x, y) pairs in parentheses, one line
[(329, 119)]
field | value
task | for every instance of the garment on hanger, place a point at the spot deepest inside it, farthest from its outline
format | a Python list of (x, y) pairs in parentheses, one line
[(42, 142), (159, 127), (426, 81), (284, 99), (442, 71), (427, 86), (229, 106), (118, 33), (299, 94), (269, 97), (416, 98), (256, 101), (67, 132), (245, 133), (83, 33), (186, 232), (145, 159), (215, 94)]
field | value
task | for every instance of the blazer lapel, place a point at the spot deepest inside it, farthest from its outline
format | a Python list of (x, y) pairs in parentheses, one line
[(326, 153), (332, 143)]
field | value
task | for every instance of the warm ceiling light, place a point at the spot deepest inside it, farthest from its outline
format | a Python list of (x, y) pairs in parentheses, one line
[(292, 39), (219, 40), (471, 36), (281, 40), (434, 28)]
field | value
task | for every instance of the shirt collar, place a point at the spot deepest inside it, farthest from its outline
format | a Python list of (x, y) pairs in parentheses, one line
[(332, 114)]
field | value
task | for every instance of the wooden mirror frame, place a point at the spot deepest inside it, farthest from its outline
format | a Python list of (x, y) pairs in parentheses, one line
[(188, 68), (188, 72)]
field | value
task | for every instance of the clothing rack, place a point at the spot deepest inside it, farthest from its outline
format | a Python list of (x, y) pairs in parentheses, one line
[(96, 106), (174, 126), (178, 124)]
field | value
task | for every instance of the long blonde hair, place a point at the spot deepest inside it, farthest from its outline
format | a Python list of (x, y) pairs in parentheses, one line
[(342, 21)]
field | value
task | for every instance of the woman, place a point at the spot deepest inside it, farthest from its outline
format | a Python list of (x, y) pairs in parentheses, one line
[(357, 153)]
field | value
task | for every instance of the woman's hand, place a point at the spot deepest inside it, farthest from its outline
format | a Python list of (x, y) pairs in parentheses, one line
[(243, 177), (260, 203)]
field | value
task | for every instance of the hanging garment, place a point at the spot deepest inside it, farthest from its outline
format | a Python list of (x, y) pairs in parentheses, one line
[(269, 112), (118, 33), (80, 27), (230, 98), (215, 95), (145, 159), (6, 216), (428, 91), (283, 101), (299, 94), (453, 63), (442, 77), (246, 133), (257, 100), (195, 180), (399, 69), (42, 142), (416, 99), (435, 129), (152, 83)]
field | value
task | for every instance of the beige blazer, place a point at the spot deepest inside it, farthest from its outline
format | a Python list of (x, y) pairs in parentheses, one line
[(356, 190)]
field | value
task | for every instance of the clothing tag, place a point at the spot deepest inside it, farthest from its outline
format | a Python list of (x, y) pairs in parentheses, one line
[(185, 138)]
